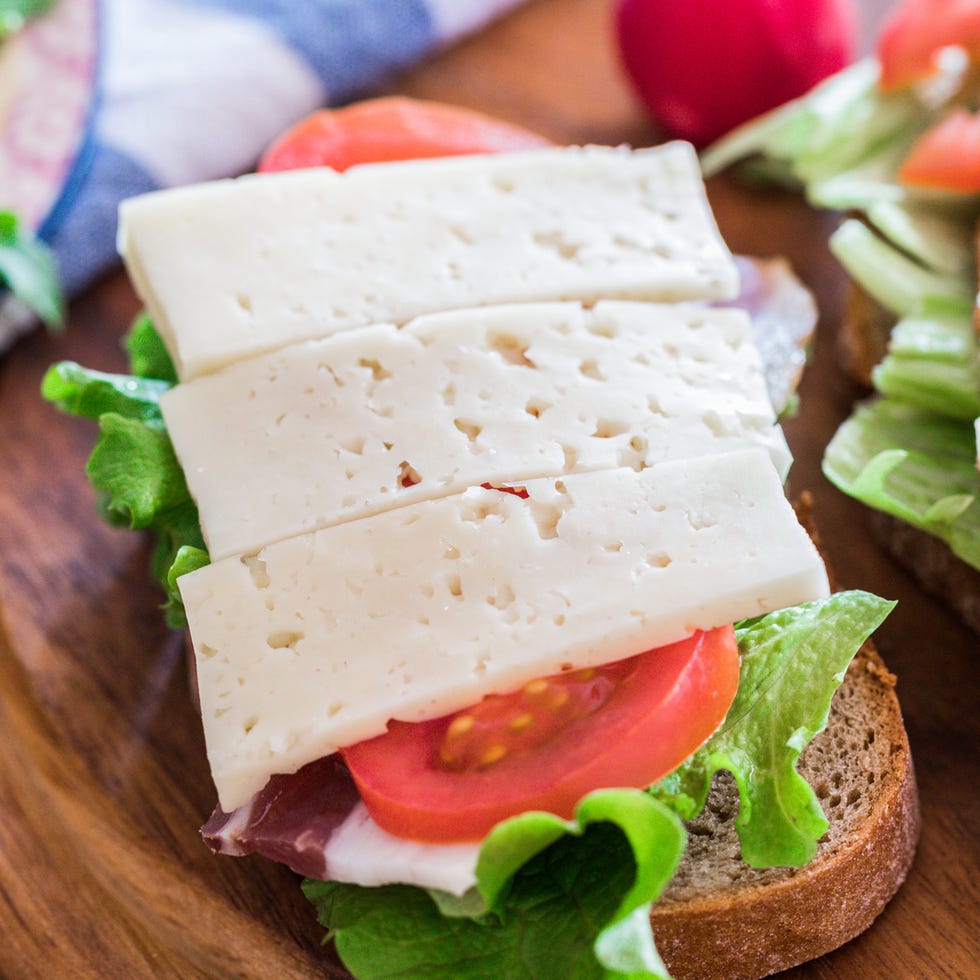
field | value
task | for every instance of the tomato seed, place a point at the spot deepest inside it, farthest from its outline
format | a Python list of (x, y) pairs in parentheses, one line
[(460, 725), (507, 726), (493, 754), (521, 722), (558, 698)]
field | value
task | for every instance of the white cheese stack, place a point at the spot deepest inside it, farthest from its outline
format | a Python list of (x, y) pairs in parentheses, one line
[(233, 268), (370, 575), (333, 430)]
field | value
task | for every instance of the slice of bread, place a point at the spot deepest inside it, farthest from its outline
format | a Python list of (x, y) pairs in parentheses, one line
[(721, 919), (864, 332), (932, 564)]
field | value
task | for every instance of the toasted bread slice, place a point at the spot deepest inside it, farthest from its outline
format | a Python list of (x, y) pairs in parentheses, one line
[(721, 919)]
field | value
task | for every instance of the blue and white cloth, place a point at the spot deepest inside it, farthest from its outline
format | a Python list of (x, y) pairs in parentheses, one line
[(120, 97)]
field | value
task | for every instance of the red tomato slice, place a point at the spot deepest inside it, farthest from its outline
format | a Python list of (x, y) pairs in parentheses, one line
[(544, 747), (394, 128), (913, 35), (946, 157)]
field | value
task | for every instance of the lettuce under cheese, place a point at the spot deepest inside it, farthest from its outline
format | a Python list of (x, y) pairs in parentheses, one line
[(133, 465)]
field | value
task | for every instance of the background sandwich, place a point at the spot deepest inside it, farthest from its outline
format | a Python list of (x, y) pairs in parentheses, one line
[(888, 140)]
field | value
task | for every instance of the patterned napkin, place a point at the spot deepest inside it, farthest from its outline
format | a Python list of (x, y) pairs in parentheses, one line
[(103, 99)]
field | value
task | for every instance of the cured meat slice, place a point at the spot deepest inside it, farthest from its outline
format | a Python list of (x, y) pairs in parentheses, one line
[(783, 314), (290, 820), (312, 822)]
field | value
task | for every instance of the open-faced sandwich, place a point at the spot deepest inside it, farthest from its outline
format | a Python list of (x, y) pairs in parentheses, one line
[(469, 487), (894, 141)]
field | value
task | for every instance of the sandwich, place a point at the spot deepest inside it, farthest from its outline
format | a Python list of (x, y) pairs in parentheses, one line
[(888, 141), (467, 482)]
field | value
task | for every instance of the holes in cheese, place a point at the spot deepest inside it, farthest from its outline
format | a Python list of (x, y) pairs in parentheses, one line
[(338, 429), (233, 268)]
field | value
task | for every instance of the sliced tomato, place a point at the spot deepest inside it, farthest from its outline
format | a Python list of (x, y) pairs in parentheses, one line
[(946, 157), (544, 747), (914, 34), (394, 128)]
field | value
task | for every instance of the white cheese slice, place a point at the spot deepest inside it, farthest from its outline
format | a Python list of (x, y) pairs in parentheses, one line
[(232, 268), (319, 640), (332, 430)]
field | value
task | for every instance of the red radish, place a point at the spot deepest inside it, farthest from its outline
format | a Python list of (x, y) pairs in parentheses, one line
[(702, 67)]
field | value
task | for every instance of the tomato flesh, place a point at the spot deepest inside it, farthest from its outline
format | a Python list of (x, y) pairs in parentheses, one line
[(626, 724), (390, 129), (946, 157), (915, 32), (511, 725)]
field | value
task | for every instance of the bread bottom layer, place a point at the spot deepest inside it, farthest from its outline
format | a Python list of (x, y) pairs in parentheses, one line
[(932, 564), (721, 919)]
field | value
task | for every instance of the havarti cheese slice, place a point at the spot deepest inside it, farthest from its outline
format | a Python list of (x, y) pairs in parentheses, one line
[(232, 268), (333, 430)]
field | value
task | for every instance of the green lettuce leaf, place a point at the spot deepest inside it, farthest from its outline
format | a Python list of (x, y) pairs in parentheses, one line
[(90, 394), (793, 661), (933, 362), (915, 465), (174, 558), (148, 356), (834, 128), (134, 467), (939, 238), (27, 266), (559, 899), (897, 282), (133, 464)]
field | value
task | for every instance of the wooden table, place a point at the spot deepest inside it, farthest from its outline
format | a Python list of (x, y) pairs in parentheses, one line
[(103, 782)]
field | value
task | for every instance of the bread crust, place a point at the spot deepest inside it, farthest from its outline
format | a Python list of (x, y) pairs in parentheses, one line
[(772, 919)]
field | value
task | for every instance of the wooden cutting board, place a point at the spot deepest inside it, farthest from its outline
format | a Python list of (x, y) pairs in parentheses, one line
[(103, 781)]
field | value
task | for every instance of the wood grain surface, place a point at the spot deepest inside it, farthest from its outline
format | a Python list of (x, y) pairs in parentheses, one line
[(103, 781)]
